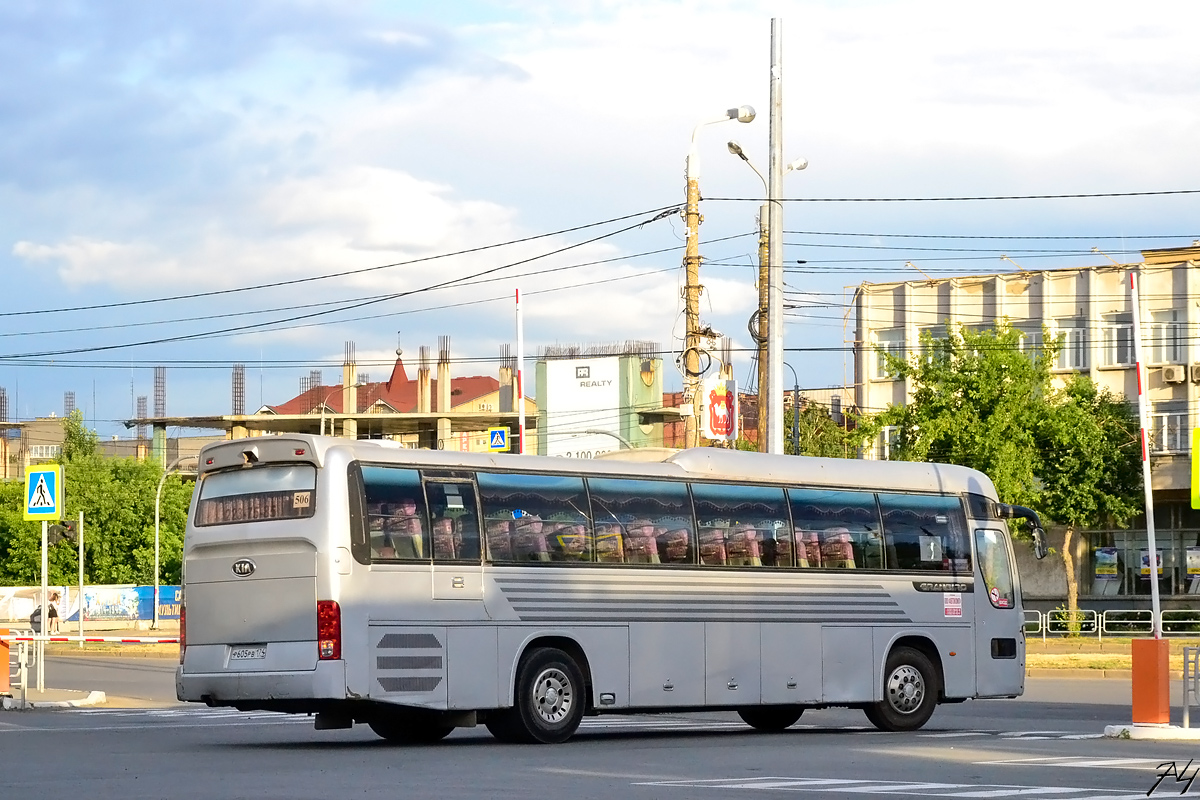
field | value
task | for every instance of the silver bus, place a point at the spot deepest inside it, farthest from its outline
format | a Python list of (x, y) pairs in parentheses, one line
[(418, 591)]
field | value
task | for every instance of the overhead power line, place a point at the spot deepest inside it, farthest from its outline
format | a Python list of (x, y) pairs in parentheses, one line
[(661, 211), (955, 198)]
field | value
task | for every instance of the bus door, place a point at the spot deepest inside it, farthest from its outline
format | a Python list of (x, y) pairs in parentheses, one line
[(999, 623), (454, 534)]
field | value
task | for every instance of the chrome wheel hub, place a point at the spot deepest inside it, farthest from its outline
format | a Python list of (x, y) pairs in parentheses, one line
[(553, 696), (905, 689)]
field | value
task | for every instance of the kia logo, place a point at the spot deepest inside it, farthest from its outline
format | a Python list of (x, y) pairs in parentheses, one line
[(243, 568)]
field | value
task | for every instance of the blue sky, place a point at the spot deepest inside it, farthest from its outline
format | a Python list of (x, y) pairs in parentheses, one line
[(153, 150)]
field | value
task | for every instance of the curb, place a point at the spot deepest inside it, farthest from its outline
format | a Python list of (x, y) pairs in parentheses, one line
[(1046, 672), (92, 699), (1151, 732)]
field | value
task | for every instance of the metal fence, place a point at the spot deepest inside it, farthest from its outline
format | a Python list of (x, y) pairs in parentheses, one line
[(1113, 622)]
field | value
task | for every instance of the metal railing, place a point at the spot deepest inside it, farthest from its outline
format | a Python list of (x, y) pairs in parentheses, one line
[(1113, 622), (1191, 680), (18, 671)]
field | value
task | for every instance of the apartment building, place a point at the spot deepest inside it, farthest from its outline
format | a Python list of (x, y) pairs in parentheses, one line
[(1090, 310)]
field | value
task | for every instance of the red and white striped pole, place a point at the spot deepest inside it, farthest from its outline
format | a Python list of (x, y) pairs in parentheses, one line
[(520, 378), (1151, 676), (1143, 420)]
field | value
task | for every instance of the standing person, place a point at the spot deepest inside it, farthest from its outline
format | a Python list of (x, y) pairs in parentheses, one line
[(52, 614)]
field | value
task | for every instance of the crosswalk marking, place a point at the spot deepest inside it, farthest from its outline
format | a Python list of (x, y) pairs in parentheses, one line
[(853, 786), (1089, 762)]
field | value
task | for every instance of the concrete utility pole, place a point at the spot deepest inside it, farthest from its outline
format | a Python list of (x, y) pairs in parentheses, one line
[(692, 289), (775, 170), (764, 260)]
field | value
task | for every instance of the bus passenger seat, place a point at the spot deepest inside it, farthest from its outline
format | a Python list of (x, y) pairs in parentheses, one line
[(609, 549), (528, 541), (742, 548), (673, 546), (712, 546), (837, 551), (640, 545), (499, 539), (445, 540)]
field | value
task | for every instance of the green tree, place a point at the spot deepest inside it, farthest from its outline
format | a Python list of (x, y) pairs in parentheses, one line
[(977, 401), (980, 401), (820, 435), (116, 496), (1090, 466)]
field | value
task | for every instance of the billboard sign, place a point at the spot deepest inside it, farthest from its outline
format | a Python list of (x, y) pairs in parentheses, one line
[(583, 400)]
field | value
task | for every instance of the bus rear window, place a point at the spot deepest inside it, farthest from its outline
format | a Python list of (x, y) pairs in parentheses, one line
[(258, 494)]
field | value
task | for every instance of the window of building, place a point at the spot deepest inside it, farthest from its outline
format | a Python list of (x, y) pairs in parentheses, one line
[(1167, 336), (45, 450), (1072, 333), (1168, 429), (890, 342), (1117, 340), (1031, 338), (929, 346), (886, 437)]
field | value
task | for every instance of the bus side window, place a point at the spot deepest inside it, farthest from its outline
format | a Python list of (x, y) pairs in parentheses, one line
[(396, 522), (836, 529), (742, 526), (360, 545), (535, 518), (925, 532), (642, 521), (454, 517)]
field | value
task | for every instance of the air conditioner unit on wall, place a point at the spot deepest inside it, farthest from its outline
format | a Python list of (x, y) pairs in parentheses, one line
[(1174, 373), (1195, 373)]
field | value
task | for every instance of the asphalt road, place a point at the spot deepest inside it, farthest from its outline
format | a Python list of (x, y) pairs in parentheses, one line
[(1044, 745)]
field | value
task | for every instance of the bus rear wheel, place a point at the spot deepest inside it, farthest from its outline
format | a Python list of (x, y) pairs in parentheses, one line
[(771, 719), (910, 689), (549, 700), (409, 730)]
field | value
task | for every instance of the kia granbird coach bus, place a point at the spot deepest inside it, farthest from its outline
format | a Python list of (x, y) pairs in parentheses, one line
[(418, 591)]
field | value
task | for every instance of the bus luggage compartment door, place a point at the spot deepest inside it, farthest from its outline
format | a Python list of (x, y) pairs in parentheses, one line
[(268, 617)]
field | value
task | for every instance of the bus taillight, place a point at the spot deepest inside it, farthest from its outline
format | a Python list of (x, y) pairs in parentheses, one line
[(329, 630), (182, 631)]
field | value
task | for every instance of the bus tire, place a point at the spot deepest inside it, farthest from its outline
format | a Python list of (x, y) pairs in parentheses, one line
[(910, 690), (407, 730), (548, 702), (771, 719)]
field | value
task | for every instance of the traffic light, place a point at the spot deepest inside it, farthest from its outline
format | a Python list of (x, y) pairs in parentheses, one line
[(63, 530)]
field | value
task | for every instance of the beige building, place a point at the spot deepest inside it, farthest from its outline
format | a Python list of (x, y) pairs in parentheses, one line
[(1089, 309)]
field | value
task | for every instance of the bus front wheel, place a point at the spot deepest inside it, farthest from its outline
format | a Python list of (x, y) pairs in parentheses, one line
[(549, 700), (910, 689), (771, 719)]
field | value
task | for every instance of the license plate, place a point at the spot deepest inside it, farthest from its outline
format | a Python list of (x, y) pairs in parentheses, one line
[(248, 653)]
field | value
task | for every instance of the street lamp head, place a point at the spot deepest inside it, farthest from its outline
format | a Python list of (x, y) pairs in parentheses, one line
[(741, 113), (736, 149), (797, 165)]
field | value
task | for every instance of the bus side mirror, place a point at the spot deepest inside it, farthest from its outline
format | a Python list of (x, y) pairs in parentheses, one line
[(1039, 543)]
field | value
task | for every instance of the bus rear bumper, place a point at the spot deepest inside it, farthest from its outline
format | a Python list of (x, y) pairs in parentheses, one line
[(326, 682)]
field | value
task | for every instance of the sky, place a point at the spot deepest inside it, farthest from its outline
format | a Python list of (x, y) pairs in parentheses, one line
[(197, 185)]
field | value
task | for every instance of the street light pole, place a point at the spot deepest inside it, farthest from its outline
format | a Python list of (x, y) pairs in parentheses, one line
[(775, 171), (759, 328), (692, 289), (332, 392), (157, 505)]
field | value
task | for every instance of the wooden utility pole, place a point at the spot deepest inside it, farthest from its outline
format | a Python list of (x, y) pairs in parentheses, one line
[(691, 311)]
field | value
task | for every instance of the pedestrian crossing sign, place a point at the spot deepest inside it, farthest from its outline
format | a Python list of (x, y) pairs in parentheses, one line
[(498, 439), (43, 492)]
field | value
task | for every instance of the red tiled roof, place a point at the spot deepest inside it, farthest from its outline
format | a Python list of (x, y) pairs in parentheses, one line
[(398, 393)]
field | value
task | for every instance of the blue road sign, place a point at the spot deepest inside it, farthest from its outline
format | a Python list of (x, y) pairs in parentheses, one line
[(497, 439), (43, 492)]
